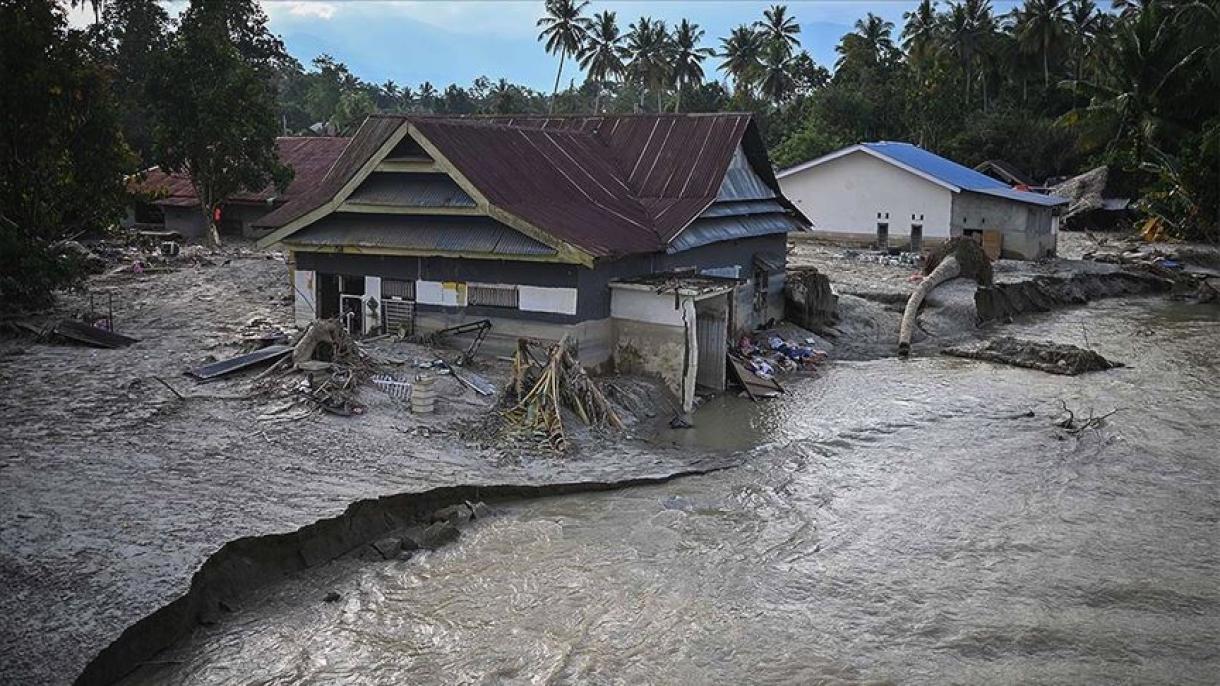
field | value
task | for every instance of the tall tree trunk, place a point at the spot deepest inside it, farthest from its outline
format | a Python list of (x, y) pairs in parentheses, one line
[(947, 269), (678, 101), (1046, 68), (597, 99), (660, 93), (563, 54)]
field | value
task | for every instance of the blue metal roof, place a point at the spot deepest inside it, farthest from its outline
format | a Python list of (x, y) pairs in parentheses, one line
[(954, 174)]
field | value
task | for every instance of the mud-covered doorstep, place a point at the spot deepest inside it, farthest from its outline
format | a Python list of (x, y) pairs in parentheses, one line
[(1003, 301), (245, 564)]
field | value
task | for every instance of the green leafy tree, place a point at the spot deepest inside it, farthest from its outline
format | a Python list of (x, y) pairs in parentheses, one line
[(216, 115), (1040, 24), (779, 31), (62, 157), (775, 74), (602, 55), (133, 35), (564, 29), (741, 51), (648, 54), (687, 68)]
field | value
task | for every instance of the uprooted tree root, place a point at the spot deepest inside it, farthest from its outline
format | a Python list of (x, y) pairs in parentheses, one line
[(333, 363), (541, 388), (1076, 426)]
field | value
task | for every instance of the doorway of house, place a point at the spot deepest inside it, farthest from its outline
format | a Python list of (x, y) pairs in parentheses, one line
[(916, 237), (712, 338), (883, 235)]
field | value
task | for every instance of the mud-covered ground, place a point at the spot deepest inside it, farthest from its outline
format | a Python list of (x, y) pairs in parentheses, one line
[(113, 491)]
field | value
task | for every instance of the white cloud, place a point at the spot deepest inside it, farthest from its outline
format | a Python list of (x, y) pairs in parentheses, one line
[(506, 18), (308, 9)]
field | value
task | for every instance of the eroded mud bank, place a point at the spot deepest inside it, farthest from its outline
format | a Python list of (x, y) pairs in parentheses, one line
[(1003, 301), (245, 564)]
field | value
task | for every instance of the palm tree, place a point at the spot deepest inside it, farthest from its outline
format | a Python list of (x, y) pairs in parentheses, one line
[(564, 30), (775, 78), (687, 59), (601, 57), (920, 33), (648, 55), (427, 97), (1040, 24), (741, 52), (779, 29), (867, 47), (968, 28), (1126, 106), (1084, 23)]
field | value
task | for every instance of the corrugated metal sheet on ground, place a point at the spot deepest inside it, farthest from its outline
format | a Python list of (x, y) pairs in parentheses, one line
[(407, 232), (715, 229), (410, 190)]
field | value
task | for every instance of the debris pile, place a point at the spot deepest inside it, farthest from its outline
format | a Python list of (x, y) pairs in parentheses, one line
[(892, 257), (333, 364), (1053, 358), (770, 355), (542, 386)]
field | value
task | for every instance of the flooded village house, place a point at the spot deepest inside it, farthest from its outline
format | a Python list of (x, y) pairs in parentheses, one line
[(898, 195), (167, 202), (648, 240)]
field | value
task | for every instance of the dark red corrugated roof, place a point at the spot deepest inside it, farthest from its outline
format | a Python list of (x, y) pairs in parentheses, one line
[(309, 158), (608, 185)]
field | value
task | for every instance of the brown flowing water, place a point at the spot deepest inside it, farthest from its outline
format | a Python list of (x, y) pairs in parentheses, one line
[(902, 522)]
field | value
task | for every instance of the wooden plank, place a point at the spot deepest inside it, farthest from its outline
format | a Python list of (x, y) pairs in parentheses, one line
[(993, 243)]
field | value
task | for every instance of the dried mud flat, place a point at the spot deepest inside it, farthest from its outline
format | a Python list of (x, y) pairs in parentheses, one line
[(113, 491)]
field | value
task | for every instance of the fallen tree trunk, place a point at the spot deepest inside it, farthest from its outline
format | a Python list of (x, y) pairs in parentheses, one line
[(946, 270)]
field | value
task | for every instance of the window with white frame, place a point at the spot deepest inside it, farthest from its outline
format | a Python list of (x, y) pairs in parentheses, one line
[(492, 295)]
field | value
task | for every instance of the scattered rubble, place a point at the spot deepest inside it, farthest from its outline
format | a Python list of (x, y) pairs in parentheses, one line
[(1053, 358)]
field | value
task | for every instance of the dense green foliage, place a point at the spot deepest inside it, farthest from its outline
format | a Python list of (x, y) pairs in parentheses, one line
[(215, 110), (1054, 87), (62, 157)]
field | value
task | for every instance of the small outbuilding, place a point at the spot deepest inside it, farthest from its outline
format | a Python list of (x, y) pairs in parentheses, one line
[(647, 240), (898, 195)]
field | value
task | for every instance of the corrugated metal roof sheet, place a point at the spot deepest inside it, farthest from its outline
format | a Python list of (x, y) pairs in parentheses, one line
[(705, 231), (408, 232), (309, 157), (955, 174), (608, 185), (739, 208), (411, 190), (373, 133)]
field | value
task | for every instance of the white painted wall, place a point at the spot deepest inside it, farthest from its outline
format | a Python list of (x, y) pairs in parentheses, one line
[(644, 306), (844, 196), (448, 293), (539, 299)]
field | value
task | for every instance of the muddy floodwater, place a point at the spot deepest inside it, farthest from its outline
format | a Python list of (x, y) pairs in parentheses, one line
[(906, 522)]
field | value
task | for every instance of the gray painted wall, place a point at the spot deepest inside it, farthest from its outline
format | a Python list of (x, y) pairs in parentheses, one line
[(593, 285), (1026, 228)]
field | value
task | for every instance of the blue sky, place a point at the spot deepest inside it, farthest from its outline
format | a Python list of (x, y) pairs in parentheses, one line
[(446, 41)]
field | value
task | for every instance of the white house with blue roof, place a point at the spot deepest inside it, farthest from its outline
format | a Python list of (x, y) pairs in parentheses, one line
[(899, 195)]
